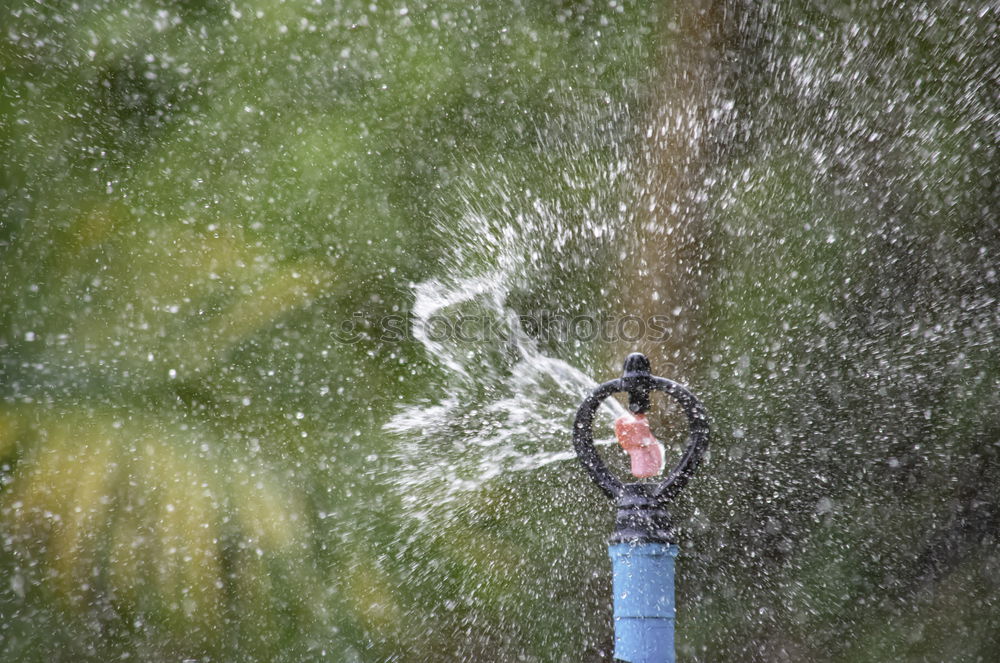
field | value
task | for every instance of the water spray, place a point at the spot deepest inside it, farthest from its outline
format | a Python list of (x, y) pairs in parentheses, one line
[(643, 545)]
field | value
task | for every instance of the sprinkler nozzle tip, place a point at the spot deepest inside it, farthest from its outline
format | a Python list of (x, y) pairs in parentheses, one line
[(636, 363)]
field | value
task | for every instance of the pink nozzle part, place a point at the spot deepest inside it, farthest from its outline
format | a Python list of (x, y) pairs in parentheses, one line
[(643, 448)]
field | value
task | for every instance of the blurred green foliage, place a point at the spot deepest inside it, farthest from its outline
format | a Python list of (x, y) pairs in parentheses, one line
[(197, 195)]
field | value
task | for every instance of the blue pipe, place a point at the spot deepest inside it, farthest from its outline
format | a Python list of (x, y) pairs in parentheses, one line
[(643, 587)]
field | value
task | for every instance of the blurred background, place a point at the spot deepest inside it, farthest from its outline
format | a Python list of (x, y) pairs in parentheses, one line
[(284, 374)]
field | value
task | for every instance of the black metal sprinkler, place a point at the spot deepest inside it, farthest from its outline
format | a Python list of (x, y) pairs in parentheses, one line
[(643, 546)]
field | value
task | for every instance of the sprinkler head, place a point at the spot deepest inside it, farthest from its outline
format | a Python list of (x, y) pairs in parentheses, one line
[(637, 381)]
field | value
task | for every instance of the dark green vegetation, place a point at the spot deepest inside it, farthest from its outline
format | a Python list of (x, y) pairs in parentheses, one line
[(197, 196)]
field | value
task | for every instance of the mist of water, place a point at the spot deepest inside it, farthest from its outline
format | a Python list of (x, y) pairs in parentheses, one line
[(505, 402), (196, 463), (822, 235)]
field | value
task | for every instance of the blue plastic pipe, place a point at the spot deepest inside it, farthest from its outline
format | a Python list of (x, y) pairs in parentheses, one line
[(643, 584)]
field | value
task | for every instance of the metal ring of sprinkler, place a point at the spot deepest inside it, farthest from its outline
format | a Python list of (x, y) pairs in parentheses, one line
[(638, 382)]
